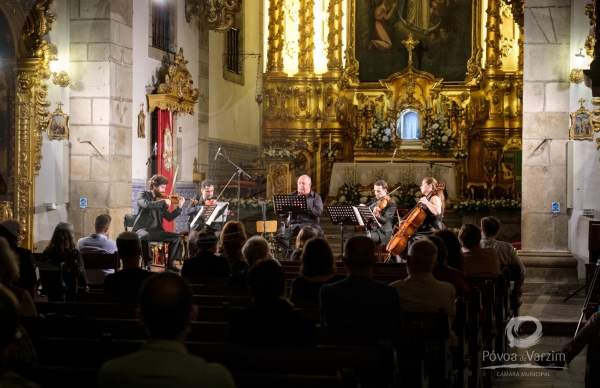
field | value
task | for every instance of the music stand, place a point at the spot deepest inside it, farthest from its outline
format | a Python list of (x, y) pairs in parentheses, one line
[(208, 214), (292, 205), (344, 215)]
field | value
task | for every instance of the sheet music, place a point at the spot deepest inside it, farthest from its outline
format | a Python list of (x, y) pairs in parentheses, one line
[(358, 216), (197, 216), (217, 214)]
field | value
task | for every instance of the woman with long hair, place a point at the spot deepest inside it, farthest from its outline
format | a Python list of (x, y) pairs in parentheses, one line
[(305, 234), (232, 239), (63, 250)]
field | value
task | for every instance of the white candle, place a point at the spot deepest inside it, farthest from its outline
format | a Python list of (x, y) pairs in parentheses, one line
[(330, 141)]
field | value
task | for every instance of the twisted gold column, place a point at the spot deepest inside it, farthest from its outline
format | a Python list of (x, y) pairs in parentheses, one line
[(306, 64), (520, 60), (493, 61), (275, 39), (334, 38)]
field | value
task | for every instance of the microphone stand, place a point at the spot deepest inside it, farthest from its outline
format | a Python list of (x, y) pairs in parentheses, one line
[(239, 173)]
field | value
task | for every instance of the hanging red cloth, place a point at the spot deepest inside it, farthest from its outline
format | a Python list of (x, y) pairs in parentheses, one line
[(166, 164)]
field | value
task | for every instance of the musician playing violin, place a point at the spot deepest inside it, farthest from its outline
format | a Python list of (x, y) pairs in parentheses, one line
[(384, 208), (207, 191), (150, 214)]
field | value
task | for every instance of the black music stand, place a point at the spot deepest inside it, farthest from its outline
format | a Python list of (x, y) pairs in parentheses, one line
[(292, 205), (344, 215)]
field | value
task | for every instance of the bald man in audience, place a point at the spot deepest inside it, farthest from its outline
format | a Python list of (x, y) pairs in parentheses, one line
[(420, 291), (166, 309)]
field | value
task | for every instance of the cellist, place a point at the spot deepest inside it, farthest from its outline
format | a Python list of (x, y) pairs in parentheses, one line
[(433, 205), (384, 209)]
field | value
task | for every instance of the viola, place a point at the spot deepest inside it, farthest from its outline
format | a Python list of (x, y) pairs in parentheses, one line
[(175, 199), (410, 224)]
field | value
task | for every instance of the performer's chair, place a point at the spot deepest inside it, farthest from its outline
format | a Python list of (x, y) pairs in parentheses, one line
[(157, 248)]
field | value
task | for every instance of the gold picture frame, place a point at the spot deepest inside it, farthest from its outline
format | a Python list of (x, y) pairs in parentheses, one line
[(59, 124), (581, 124)]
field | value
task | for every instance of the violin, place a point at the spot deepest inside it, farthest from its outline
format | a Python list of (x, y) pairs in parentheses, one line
[(175, 199), (383, 202), (411, 223)]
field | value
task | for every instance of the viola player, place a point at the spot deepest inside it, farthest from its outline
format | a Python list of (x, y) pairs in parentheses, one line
[(384, 209), (207, 191), (151, 210)]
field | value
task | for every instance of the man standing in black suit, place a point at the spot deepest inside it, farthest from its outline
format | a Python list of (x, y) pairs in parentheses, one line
[(150, 215)]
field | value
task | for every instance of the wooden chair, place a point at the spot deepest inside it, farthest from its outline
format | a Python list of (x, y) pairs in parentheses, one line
[(158, 248)]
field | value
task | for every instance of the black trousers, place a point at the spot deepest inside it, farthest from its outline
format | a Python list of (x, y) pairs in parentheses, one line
[(173, 239)]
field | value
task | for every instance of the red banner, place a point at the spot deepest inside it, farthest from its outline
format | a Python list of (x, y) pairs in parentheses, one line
[(166, 163)]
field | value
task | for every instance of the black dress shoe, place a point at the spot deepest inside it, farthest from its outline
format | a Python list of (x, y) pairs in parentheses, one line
[(172, 268), (552, 360)]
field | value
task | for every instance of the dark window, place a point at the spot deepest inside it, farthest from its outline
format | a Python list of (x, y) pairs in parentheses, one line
[(233, 51), (161, 16)]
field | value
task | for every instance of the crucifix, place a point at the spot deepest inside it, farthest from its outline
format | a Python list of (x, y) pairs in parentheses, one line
[(59, 104), (581, 101), (410, 44)]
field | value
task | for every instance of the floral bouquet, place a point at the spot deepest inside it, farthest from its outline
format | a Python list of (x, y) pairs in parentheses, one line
[(328, 153), (380, 136), (487, 206), (438, 137), (406, 196), (278, 154), (506, 205), (461, 154), (252, 203), (352, 195)]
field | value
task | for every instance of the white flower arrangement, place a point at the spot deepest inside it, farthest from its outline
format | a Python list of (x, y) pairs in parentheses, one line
[(461, 154), (328, 153), (278, 154), (438, 138), (380, 136)]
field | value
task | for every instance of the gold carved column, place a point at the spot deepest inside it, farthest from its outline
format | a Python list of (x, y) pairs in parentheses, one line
[(493, 54), (306, 64), (334, 38), (275, 39)]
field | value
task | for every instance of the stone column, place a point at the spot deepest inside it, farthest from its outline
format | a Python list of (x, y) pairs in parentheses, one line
[(101, 92), (334, 38), (493, 59), (276, 39), (550, 265), (203, 100), (306, 30)]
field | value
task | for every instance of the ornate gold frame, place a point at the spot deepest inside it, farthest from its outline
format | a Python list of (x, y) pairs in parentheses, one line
[(582, 113), (30, 71)]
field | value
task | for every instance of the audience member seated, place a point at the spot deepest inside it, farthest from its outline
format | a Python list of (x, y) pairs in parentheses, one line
[(479, 262), (455, 257), (9, 273), (588, 336), (166, 309), (317, 268), (507, 255), (127, 282), (62, 249), (420, 292), (11, 230), (443, 273), (205, 265), (358, 301), (98, 242), (231, 241), (270, 318), (255, 249), (306, 233), (9, 321)]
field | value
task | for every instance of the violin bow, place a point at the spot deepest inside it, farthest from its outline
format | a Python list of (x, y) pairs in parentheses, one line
[(380, 199)]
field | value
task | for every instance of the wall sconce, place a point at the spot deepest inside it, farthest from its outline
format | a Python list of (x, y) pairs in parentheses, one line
[(577, 73), (60, 79)]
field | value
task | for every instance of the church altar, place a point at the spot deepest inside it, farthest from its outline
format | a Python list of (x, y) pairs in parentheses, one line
[(393, 173)]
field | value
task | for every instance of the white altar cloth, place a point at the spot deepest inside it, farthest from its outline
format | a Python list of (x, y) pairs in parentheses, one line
[(393, 173)]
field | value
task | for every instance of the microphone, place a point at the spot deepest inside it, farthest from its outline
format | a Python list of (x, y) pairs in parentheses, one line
[(154, 151), (394, 155), (218, 152)]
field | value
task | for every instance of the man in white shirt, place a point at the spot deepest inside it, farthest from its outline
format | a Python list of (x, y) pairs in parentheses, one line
[(98, 242), (506, 253)]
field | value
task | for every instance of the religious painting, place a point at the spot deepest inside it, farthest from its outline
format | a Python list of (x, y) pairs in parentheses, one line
[(444, 28), (581, 125), (142, 123), (168, 148), (59, 125)]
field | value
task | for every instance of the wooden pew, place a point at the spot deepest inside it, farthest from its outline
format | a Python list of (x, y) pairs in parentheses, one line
[(475, 338), (460, 355), (373, 366), (101, 261), (488, 321), (515, 298)]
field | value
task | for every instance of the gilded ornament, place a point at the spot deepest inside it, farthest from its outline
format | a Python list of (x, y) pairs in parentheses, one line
[(218, 16)]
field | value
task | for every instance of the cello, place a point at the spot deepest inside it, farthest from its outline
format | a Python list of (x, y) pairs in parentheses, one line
[(412, 221)]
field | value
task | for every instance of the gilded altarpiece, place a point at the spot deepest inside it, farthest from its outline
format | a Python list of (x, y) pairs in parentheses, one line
[(479, 100), (24, 70)]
